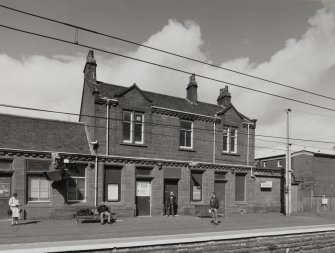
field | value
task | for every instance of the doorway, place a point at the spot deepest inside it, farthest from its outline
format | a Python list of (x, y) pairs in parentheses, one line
[(5, 193), (171, 185), (143, 198), (220, 190)]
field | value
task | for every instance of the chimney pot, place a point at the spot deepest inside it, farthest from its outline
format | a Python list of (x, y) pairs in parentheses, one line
[(224, 98), (192, 90)]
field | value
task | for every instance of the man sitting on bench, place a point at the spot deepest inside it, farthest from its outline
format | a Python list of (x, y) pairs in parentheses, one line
[(104, 210)]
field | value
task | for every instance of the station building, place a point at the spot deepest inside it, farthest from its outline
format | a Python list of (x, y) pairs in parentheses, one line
[(132, 147)]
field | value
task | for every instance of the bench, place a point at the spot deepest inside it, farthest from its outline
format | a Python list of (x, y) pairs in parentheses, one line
[(201, 211), (89, 215)]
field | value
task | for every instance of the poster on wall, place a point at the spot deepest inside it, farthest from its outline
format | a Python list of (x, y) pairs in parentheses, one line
[(143, 189), (113, 192), (196, 192)]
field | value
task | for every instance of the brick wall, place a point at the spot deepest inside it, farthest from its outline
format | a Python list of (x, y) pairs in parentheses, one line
[(322, 242)]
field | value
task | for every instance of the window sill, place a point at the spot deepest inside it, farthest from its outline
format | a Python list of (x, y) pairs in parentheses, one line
[(134, 145), (231, 154), (187, 149)]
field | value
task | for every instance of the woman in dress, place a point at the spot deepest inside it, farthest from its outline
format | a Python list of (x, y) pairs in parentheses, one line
[(14, 204)]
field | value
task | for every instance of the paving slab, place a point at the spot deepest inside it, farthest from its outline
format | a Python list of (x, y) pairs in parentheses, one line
[(52, 234)]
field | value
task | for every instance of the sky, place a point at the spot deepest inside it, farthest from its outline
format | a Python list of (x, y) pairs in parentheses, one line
[(287, 41)]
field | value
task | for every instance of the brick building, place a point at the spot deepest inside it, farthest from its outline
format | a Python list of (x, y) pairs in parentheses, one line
[(130, 149), (29, 147), (313, 179), (151, 144)]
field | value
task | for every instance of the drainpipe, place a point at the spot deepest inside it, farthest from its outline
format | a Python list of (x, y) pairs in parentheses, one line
[(107, 127), (95, 148), (214, 136)]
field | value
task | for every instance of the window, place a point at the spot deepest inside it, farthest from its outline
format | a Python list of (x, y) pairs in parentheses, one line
[(239, 187), (113, 183), (280, 163), (229, 139), (186, 134), (76, 184), (265, 164), (133, 130), (196, 186), (38, 188)]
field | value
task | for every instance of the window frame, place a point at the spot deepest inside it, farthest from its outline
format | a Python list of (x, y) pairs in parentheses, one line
[(85, 185), (39, 175), (228, 139), (185, 131), (133, 123)]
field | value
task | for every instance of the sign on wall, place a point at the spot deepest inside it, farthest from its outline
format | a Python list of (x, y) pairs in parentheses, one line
[(266, 184), (196, 192), (143, 189), (113, 192)]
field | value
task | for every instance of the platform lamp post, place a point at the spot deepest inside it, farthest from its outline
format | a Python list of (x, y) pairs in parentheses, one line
[(288, 168)]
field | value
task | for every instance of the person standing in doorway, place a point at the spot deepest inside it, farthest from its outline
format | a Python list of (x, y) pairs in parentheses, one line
[(14, 204), (213, 207), (171, 204)]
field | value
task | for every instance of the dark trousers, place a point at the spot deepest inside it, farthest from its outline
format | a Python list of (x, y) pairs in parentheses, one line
[(170, 210)]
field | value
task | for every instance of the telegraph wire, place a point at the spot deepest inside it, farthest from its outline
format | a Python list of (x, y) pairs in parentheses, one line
[(164, 66), (162, 51), (159, 125)]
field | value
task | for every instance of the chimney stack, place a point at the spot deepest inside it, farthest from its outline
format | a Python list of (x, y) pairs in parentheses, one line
[(90, 70), (224, 99), (192, 90)]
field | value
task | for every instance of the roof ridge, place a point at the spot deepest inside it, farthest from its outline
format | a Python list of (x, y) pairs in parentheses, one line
[(39, 118)]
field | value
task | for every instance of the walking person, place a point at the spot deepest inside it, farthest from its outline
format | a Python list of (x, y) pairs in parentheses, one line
[(213, 207), (14, 204), (171, 204)]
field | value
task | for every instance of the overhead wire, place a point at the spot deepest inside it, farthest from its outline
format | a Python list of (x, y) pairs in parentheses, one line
[(76, 27), (164, 66)]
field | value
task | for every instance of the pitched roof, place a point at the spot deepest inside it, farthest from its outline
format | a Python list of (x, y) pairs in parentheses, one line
[(166, 101), (28, 133)]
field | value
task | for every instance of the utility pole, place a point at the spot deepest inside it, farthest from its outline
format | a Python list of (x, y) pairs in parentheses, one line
[(288, 168)]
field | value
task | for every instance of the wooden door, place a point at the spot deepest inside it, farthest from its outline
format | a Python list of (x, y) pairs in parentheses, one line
[(171, 185), (220, 190), (143, 196), (5, 193)]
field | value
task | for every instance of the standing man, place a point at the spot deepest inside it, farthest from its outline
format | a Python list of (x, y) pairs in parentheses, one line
[(213, 207), (104, 210), (171, 204)]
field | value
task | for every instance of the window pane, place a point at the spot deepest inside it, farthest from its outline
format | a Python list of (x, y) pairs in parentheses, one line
[(80, 188), (126, 131), (127, 116), (138, 117), (225, 143), (232, 144), (186, 125), (38, 188), (188, 139), (138, 132), (182, 142)]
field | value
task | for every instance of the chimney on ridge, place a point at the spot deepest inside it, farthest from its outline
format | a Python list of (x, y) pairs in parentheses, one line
[(224, 99), (90, 70), (192, 90)]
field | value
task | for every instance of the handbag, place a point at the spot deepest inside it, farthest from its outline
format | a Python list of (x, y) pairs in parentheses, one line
[(9, 211)]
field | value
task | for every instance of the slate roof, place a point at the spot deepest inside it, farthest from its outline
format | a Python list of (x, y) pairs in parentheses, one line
[(170, 102), (28, 133)]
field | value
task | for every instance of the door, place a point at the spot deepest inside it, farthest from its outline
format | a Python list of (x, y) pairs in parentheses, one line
[(143, 194), (220, 190), (171, 185), (5, 192)]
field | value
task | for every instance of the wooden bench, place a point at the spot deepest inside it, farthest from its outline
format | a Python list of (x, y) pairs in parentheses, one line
[(89, 215), (201, 211)]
